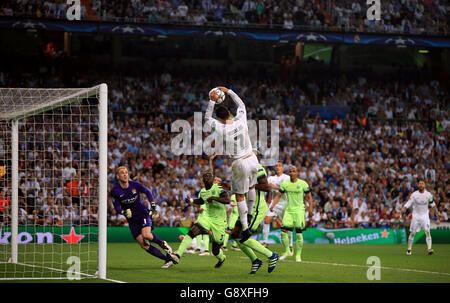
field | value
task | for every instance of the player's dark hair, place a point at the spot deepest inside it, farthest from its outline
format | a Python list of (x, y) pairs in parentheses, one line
[(222, 112)]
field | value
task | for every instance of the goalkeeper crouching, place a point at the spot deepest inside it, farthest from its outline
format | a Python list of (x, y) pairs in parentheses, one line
[(127, 202)]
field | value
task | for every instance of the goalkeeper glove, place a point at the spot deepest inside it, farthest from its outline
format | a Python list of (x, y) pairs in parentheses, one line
[(153, 212), (127, 213)]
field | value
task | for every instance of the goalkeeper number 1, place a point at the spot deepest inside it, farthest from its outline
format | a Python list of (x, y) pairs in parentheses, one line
[(126, 195)]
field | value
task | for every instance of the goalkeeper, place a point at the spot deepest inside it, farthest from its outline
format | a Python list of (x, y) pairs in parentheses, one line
[(127, 202)]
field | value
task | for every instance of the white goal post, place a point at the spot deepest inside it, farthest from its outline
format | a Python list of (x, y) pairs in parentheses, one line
[(53, 183)]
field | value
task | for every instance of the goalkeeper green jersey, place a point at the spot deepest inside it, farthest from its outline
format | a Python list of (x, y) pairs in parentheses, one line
[(294, 193), (260, 203), (214, 210)]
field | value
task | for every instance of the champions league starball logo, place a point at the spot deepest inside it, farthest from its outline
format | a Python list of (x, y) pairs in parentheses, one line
[(400, 41), (219, 33), (128, 29), (29, 24), (311, 37)]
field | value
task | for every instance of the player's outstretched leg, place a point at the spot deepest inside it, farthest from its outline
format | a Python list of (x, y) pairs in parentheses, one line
[(218, 253), (199, 243), (168, 259), (205, 238), (285, 241), (259, 248), (183, 245), (272, 262), (255, 266), (148, 237), (256, 263)]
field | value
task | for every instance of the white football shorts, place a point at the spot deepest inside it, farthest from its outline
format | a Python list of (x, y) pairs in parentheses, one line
[(243, 174), (419, 223)]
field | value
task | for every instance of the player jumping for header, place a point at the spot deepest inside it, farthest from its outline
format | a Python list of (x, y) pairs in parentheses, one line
[(420, 200), (233, 132), (127, 202)]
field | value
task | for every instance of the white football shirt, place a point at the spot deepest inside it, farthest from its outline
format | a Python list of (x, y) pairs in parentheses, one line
[(420, 203), (277, 180)]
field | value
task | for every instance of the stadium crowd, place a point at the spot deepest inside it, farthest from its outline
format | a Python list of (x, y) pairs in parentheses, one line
[(397, 16), (361, 166)]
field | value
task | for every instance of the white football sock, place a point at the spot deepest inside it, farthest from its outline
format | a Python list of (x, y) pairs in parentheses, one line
[(291, 238), (428, 239), (410, 240), (266, 230), (251, 198), (243, 211)]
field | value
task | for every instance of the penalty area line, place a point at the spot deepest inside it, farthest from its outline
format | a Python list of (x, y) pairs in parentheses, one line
[(367, 266), (53, 278)]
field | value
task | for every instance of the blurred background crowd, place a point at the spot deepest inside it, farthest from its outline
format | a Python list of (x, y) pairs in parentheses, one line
[(429, 17), (361, 166)]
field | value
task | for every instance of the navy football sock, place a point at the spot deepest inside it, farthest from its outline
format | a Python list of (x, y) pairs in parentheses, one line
[(157, 240), (156, 252)]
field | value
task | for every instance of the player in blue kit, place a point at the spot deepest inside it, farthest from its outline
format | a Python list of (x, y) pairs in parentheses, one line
[(127, 202)]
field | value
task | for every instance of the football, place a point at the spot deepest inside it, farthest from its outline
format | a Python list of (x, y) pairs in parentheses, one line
[(219, 95)]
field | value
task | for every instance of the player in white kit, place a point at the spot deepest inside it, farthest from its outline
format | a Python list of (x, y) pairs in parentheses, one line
[(233, 133), (420, 201), (275, 182)]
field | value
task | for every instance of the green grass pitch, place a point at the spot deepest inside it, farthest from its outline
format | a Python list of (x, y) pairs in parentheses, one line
[(322, 263)]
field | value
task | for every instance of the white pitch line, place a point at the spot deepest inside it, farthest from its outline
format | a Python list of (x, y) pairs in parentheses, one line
[(51, 278), (367, 266)]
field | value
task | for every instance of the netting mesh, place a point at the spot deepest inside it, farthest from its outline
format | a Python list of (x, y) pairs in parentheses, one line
[(58, 182)]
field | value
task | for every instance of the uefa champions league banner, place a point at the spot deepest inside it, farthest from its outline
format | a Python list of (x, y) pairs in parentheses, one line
[(344, 236), (257, 34)]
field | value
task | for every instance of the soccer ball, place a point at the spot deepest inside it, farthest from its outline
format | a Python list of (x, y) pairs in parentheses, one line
[(220, 95)]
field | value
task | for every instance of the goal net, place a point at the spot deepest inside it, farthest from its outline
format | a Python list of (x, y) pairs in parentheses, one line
[(53, 204)]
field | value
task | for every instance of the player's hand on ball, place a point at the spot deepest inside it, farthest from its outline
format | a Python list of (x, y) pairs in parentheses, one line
[(217, 95), (222, 88), (213, 95), (127, 213)]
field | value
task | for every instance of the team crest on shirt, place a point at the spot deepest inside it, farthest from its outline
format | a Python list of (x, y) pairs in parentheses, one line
[(133, 191)]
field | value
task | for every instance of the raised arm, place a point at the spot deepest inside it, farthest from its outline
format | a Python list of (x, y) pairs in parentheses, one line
[(275, 201), (241, 111), (224, 198), (263, 184), (209, 120)]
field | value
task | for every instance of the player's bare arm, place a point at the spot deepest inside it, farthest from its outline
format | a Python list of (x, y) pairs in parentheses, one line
[(275, 201), (223, 198), (310, 203), (263, 185), (195, 202), (273, 186)]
